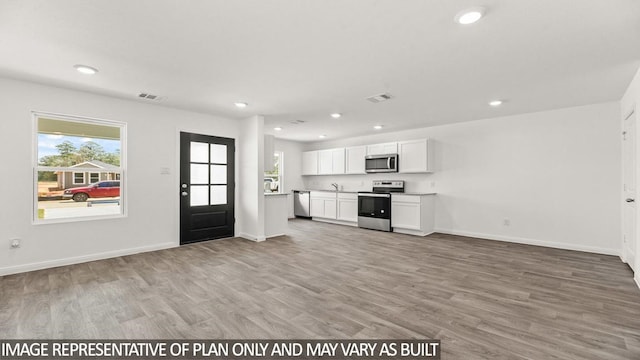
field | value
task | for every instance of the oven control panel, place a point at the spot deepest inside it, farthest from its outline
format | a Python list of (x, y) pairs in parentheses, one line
[(388, 185)]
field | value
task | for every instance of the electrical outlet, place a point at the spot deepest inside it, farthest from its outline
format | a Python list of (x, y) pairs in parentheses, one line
[(15, 243), (506, 222)]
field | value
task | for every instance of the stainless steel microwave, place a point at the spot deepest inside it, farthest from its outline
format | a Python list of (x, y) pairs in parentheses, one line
[(381, 163)]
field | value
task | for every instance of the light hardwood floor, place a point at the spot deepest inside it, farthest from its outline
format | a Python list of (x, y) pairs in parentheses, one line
[(484, 299)]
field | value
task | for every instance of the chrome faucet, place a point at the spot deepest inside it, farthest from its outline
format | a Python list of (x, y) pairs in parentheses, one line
[(335, 185)]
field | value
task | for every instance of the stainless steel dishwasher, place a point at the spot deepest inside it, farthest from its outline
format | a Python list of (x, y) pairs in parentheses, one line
[(301, 203)]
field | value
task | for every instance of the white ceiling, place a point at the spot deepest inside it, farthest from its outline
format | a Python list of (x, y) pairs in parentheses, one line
[(304, 59)]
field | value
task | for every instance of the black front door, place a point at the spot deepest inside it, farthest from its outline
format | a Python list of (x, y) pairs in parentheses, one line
[(207, 186)]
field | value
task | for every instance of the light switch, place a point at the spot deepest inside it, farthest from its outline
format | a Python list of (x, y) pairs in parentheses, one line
[(165, 171)]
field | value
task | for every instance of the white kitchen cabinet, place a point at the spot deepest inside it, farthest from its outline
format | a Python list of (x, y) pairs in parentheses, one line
[(337, 166), (347, 207), (382, 149), (415, 156), (325, 162), (413, 214), (310, 163), (323, 204), (331, 161), (316, 207), (354, 159)]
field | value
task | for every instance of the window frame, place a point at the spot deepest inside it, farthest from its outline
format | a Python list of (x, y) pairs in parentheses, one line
[(73, 178), (121, 171), (92, 173), (280, 175)]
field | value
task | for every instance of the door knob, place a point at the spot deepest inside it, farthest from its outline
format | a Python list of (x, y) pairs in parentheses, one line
[(184, 193), (630, 200)]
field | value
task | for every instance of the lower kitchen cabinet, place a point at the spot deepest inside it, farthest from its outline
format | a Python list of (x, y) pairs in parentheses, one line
[(323, 204), (413, 214), (334, 207), (348, 207)]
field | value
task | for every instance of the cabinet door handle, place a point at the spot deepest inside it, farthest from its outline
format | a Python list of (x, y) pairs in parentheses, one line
[(630, 200)]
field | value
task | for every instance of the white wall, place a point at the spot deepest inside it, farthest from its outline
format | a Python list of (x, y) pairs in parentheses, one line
[(629, 102), (292, 168), (251, 165), (555, 175), (153, 143)]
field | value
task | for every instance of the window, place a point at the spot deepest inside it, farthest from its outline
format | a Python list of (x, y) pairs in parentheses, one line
[(273, 179), (94, 177), (78, 178), (72, 155)]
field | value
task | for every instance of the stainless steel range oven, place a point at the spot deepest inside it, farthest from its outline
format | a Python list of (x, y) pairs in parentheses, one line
[(374, 208)]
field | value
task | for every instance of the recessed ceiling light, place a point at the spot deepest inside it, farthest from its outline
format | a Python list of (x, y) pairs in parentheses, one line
[(84, 69), (469, 16), (495, 103), (277, 128), (378, 127), (336, 115), (240, 105), (322, 136)]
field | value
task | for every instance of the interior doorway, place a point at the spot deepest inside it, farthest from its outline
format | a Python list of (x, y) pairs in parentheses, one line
[(629, 171)]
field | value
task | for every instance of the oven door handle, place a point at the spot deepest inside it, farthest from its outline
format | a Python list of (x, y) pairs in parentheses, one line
[(375, 195), (389, 163)]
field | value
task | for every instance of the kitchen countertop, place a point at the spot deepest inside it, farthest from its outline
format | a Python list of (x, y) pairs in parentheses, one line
[(275, 194), (331, 191), (355, 192)]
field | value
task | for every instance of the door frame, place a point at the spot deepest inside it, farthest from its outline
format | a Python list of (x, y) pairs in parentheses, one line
[(176, 176), (624, 255)]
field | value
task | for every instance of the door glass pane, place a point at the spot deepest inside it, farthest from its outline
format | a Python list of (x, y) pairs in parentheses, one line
[(199, 174), (218, 154), (218, 174), (199, 152), (199, 196), (219, 195)]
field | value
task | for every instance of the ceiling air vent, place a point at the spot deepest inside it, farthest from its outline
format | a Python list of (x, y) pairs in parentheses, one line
[(379, 98), (296, 122), (150, 96)]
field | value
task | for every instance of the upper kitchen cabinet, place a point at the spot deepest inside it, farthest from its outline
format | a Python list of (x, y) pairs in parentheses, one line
[(382, 149), (354, 159), (331, 161), (416, 156), (310, 163)]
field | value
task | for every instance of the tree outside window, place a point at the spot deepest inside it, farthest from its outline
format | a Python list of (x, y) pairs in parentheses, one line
[(72, 156), (273, 179)]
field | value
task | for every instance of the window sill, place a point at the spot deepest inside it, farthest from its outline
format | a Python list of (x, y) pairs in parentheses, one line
[(77, 219)]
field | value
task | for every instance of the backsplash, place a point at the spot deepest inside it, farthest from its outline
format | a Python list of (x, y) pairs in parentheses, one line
[(413, 182)]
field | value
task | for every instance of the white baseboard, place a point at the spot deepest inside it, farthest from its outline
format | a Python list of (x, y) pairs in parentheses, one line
[(275, 235), (84, 258), (411, 232), (252, 237), (622, 257), (337, 222), (518, 240)]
